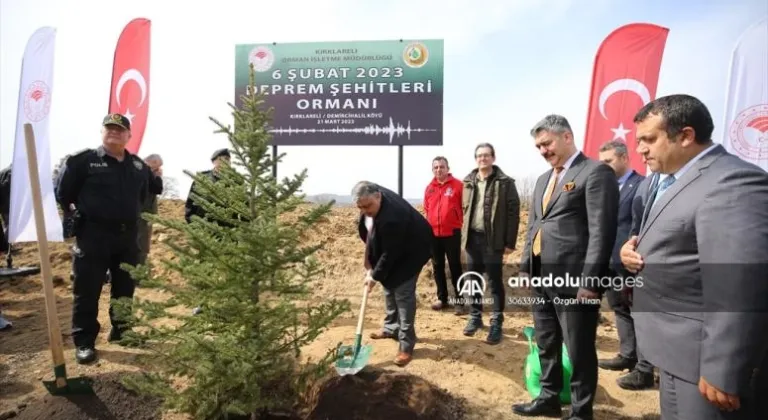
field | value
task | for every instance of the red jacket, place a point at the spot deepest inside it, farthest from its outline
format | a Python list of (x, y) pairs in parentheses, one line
[(442, 205)]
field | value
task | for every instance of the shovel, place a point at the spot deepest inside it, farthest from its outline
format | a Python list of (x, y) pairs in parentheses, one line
[(532, 369), (61, 385), (352, 359)]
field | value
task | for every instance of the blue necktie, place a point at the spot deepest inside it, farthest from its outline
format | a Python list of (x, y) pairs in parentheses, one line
[(663, 186)]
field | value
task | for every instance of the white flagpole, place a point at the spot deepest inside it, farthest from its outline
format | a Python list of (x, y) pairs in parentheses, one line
[(34, 108), (745, 126)]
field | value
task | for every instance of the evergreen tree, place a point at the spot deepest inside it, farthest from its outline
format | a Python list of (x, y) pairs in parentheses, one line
[(241, 354)]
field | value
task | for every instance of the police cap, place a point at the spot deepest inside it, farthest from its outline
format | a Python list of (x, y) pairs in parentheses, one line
[(117, 119), (219, 153)]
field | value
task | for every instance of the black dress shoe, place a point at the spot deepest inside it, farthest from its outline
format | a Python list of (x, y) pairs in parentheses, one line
[(539, 408), (617, 363), (85, 354), (636, 380)]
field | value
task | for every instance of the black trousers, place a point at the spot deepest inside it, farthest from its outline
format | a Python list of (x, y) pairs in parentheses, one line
[(144, 240), (482, 261), (625, 325), (100, 248), (450, 247), (576, 326)]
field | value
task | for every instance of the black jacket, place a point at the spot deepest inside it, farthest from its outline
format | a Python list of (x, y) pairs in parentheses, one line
[(624, 225), (190, 207), (401, 241)]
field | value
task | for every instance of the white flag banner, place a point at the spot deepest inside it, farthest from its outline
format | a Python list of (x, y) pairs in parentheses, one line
[(34, 107), (745, 132)]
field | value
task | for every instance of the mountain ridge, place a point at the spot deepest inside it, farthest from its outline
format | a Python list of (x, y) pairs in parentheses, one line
[(346, 200)]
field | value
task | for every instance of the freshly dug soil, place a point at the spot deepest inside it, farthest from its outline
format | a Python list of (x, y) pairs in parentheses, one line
[(376, 394), (110, 401), (372, 394)]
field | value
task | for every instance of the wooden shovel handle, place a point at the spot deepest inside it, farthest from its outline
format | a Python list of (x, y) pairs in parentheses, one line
[(54, 331)]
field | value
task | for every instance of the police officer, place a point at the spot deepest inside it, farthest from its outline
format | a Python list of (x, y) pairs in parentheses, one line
[(107, 187), (191, 208)]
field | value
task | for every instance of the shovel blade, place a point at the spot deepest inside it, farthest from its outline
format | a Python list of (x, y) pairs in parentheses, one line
[(18, 271), (69, 386), (349, 364)]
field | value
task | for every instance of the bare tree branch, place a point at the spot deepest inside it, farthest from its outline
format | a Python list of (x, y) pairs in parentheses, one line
[(525, 187), (170, 188)]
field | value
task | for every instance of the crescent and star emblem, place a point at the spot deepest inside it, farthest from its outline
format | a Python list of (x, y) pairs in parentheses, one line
[(619, 85), (136, 76)]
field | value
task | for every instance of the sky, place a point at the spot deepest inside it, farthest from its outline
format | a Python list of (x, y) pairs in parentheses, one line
[(507, 64)]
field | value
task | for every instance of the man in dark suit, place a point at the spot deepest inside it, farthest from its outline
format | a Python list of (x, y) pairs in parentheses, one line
[(615, 154), (398, 244), (701, 315), (571, 231), (191, 207)]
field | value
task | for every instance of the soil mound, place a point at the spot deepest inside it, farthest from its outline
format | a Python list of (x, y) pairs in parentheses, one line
[(376, 394), (110, 401)]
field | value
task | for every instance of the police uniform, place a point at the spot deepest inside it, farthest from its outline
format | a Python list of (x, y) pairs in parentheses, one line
[(190, 207), (108, 195)]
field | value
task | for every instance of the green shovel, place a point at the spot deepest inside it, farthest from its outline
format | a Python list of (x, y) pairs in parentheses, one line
[(533, 370), (352, 359)]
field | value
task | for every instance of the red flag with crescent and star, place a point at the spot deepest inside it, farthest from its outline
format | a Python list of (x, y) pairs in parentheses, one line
[(129, 94), (624, 79)]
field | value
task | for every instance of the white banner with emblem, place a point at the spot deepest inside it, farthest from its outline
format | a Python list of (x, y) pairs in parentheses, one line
[(34, 107), (745, 131)]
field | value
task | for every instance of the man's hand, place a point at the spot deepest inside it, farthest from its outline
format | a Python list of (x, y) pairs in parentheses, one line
[(631, 260), (719, 399), (369, 281), (158, 171)]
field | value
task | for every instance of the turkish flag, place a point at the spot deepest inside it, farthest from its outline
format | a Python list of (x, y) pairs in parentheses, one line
[(624, 79), (129, 94)]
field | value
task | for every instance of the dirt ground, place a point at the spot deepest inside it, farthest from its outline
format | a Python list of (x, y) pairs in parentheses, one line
[(489, 378)]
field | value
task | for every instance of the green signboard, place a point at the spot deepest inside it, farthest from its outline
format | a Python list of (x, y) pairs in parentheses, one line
[(348, 93)]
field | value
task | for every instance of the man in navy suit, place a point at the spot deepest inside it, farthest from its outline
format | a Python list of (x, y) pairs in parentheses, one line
[(615, 154)]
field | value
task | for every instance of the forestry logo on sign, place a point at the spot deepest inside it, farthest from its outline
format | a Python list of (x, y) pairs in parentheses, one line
[(749, 132), (262, 58), (37, 101), (415, 55)]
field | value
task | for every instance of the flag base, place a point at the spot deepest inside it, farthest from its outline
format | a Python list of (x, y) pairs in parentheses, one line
[(18, 271)]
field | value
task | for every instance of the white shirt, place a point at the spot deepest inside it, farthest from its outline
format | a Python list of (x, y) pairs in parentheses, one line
[(680, 172), (369, 223), (566, 165), (691, 162)]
